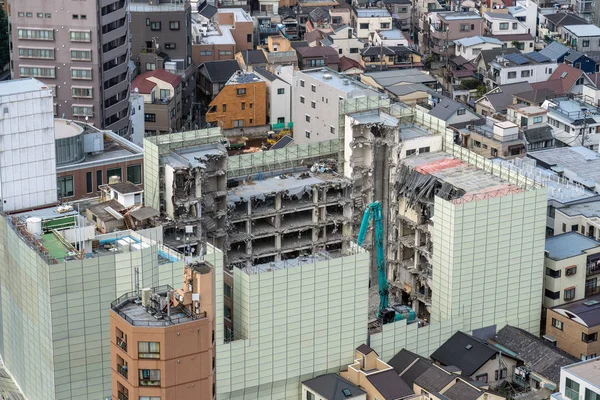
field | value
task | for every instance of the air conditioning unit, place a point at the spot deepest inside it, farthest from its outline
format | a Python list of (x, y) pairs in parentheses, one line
[(146, 294)]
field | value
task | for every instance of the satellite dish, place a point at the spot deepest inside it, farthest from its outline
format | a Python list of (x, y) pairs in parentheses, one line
[(136, 90)]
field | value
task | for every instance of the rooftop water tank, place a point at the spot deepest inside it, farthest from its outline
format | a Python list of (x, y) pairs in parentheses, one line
[(34, 225), (69, 142)]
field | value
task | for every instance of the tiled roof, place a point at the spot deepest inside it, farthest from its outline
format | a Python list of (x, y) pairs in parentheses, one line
[(348, 63), (145, 86)]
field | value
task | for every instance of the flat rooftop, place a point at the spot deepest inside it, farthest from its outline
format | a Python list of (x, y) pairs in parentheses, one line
[(375, 117), (569, 245), (587, 370), (392, 34), (64, 128), (454, 15), (296, 184), (144, 6), (474, 181), (583, 30), (340, 82), (393, 77), (17, 86), (372, 12), (244, 77), (197, 156), (581, 161), (588, 210)]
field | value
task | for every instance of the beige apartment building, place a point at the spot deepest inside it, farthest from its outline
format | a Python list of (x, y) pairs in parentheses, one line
[(162, 340), (438, 30), (81, 50)]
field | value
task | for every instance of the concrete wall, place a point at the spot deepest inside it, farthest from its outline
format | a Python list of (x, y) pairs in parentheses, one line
[(254, 112), (569, 338), (137, 118), (564, 281)]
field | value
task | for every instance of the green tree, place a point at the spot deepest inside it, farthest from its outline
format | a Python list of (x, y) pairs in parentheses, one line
[(4, 51)]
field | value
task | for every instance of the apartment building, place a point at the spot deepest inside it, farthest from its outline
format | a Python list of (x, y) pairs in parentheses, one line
[(582, 38), (579, 380), (162, 339), (90, 79), (241, 103), (438, 30), (570, 263), (162, 92), (345, 41), (575, 327), (573, 121), (513, 68), (161, 38), (367, 20), (279, 99), (496, 138), (497, 23)]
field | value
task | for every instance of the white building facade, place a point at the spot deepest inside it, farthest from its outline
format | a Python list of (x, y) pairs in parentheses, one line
[(345, 41), (367, 20), (469, 48), (136, 117), (279, 98)]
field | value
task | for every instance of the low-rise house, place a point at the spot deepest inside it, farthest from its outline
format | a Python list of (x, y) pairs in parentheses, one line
[(162, 100), (494, 139), (499, 98), (582, 38), (583, 62), (533, 121), (350, 66), (526, 12), (575, 327), (367, 20), (556, 51), (319, 56), (241, 103), (566, 80), (520, 41), (551, 25), (412, 93), (497, 23), (279, 99), (581, 218), (344, 41), (474, 358), (382, 58), (248, 59), (533, 97), (485, 57), (513, 68), (393, 37), (452, 112), (470, 47), (386, 79), (575, 123), (542, 361), (579, 381), (279, 52), (438, 383), (341, 15), (439, 31), (569, 259), (213, 75), (401, 11), (409, 366), (331, 387)]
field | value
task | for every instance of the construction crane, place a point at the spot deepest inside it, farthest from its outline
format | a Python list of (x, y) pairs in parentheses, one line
[(384, 312)]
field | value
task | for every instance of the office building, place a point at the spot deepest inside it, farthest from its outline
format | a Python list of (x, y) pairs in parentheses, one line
[(81, 52)]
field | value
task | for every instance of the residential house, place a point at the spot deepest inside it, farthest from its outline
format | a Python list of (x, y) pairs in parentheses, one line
[(551, 25), (279, 52), (521, 41), (376, 377), (475, 358), (350, 67), (412, 93), (533, 120), (331, 387), (485, 57), (248, 59), (241, 103), (401, 11), (579, 381), (566, 79), (542, 360), (382, 58), (575, 123), (213, 75), (526, 12), (582, 38), (318, 18), (533, 97), (386, 79), (439, 31), (497, 23), (344, 41), (513, 68), (409, 366), (496, 138), (451, 112), (319, 56), (162, 93), (470, 47), (580, 218), (368, 20), (577, 164), (459, 70), (279, 99), (556, 51), (393, 37), (499, 98), (575, 327), (582, 62), (570, 258), (341, 15)]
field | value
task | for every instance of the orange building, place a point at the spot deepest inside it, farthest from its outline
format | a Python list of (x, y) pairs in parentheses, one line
[(241, 103), (162, 341)]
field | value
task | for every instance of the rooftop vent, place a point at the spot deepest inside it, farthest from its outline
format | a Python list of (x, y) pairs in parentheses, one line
[(591, 303), (327, 76), (469, 347)]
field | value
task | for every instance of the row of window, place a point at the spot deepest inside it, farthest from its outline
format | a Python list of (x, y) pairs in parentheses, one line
[(30, 15), (66, 187), (156, 25), (568, 294), (524, 74), (48, 34), (504, 26), (569, 271), (383, 25), (572, 391), (587, 338), (50, 72)]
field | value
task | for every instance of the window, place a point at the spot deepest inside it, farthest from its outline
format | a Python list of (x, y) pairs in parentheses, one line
[(503, 374), (363, 26), (98, 179), (206, 53), (224, 107), (307, 117), (241, 92), (461, 111), (589, 395), (83, 16), (149, 377), (482, 378), (134, 174), (307, 133), (514, 25), (81, 55), (174, 25), (82, 110), (170, 46), (80, 36), (165, 93), (464, 28), (40, 15), (525, 74), (411, 152), (113, 172), (570, 271), (89, 184), (564, 227), (424, 149), (225, 52), (47, 15), (504, 26), (65, 186), (552, 273), (579, 81), (301, 83), (557, 324), (21, 14), (385, 25), (313, 88), (281, 120), (150, 66), (552, 295), (571, 389), (149, 398), (537, 120), (81, 92), (238, 123), (42, 72), (75, 16), (281, 91), (249, 38), (302, 99), (313, 104), (354, 50), (243, 106), (227, 290), (148, 350), (592, 337), (569, 293), (35, 34), (512, 75), (81, 73), (574, 228), (310, 395), (227, 312), (332, 130), (155, 26), (149, 117), (585, 43), (29, 15)]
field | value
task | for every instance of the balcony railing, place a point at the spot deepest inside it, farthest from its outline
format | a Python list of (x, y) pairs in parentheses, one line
[(591, 291), (122, 370), (149, 382), (122, 344), (122, 396), (592, 270)]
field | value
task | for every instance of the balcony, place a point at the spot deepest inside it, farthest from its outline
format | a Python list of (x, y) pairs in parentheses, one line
[(492, 76), (122, 370), (122, 344), (122, 396), (592, 270), (149, 382)]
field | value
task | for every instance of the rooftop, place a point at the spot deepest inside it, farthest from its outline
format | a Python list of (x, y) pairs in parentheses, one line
[(586, 311), (219, 71), (18, 86), (204, 32), (474, 40), (372, 12), (374, 117), (456, 15), (568, 245), (389, 78), (125, 188), (588, 371), (197, 156), (588, 210), (332, 387), (241, 77), (64, 128), (465, 352), (340, 81), (583, 30), (145, 7), (571, 110), (579, 164)]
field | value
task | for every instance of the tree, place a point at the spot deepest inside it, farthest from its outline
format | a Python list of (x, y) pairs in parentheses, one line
[(4, 50)]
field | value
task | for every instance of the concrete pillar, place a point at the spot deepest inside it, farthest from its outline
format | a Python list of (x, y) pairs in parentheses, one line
[(278, 241), (278, 202), (315, 195), (249, 207)]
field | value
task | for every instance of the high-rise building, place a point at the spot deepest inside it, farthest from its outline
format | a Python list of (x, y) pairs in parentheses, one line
[(81, 50)]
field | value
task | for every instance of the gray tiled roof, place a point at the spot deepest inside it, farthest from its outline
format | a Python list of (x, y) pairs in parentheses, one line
[(331, 386), (462, 391), (434, 379), (465, 352), (555, 50)]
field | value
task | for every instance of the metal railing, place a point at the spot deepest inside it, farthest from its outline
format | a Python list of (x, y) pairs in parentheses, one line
[(592, 270), (122, 370), (122, 344), (122, 396)]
